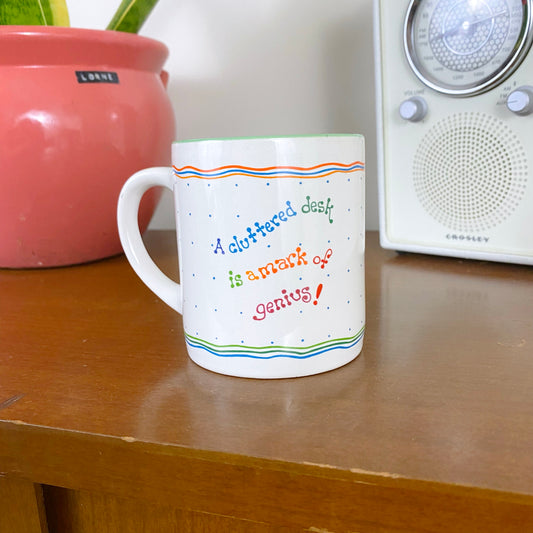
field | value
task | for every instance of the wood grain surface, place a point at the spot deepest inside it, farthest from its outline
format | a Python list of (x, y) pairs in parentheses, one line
[(429, 429)]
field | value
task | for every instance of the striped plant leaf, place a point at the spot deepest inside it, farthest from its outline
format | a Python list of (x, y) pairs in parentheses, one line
[(131, 14), (59, 12), (34, 12)]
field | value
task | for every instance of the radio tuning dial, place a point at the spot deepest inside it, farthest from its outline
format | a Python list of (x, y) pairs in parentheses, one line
[(413, 109), (520, 101), (467, 47)]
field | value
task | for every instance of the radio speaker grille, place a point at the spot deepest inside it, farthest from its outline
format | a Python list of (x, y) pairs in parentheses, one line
[(470, 172)]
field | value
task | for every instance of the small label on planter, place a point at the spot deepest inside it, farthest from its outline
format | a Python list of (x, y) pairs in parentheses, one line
[(96, 76)]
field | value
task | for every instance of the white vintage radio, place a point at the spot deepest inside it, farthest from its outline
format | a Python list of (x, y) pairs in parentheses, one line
[(455, 127)]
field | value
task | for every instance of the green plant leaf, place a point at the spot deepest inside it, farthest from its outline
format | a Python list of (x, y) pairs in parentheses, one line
[(59, 12), (34, 12), (131, 14)]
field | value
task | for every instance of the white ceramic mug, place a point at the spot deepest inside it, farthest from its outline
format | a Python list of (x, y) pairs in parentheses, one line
[(271, 251)]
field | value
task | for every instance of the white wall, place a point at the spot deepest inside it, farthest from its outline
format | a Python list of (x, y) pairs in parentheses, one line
[(262, 67)]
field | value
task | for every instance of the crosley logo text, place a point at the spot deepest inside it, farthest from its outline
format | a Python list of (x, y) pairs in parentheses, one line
[(467, 238), (96, 76)]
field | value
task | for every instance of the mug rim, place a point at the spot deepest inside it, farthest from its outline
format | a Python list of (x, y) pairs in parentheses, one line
[(269, 137)]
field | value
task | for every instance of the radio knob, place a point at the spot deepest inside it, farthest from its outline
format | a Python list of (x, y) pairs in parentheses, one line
[(413, 109), (520, 101)]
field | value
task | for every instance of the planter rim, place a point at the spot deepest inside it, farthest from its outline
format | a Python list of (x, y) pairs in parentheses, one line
[(58, 45), (70, 32)]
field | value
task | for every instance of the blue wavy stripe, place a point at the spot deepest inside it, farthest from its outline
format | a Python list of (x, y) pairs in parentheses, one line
[(193, 173), (323, 349)]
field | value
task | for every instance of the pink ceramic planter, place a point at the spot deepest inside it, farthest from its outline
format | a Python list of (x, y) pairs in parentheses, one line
[(80, 111)]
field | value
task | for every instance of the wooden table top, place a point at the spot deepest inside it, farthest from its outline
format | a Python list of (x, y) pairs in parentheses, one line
[(437, 408)]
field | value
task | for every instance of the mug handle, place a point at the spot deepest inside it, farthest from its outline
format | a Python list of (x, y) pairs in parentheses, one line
[(128, 229)]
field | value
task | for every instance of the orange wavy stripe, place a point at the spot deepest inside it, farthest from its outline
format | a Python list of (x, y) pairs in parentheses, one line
[(244, 169)]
